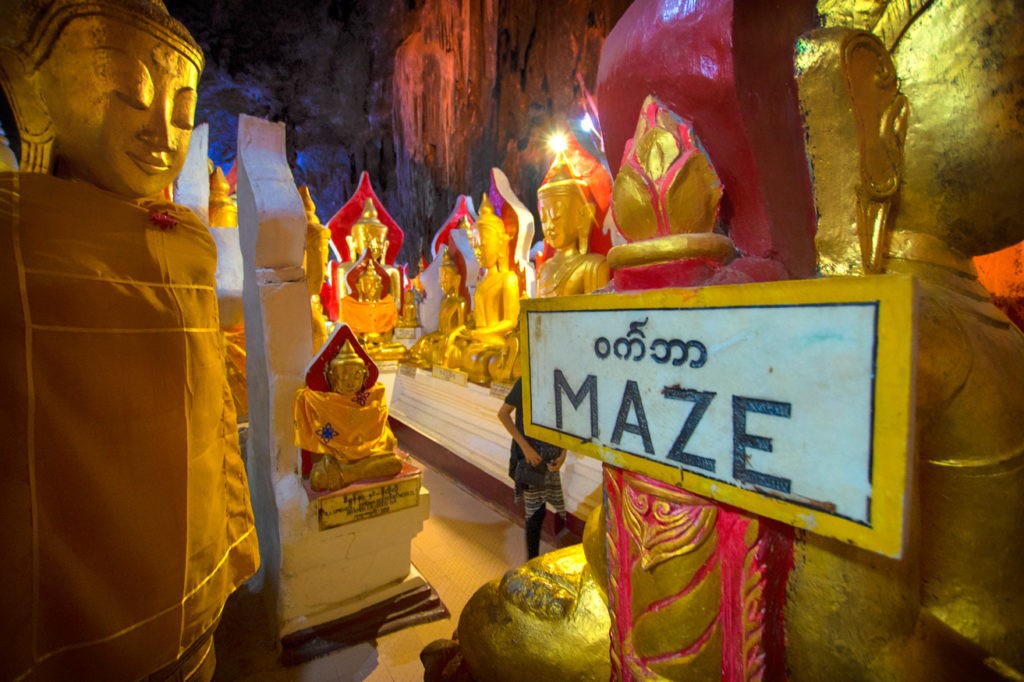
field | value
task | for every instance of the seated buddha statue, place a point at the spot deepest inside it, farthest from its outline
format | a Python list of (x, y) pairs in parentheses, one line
[(567, 218), (370, 310), (110, 334), (369, 234), (410, 317), (345, 427), (488, 347), (430, 349)]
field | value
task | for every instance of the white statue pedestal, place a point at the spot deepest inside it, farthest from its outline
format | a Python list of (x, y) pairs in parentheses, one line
[(350, 555)]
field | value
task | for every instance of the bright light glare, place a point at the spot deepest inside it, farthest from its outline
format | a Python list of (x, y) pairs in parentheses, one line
[(587, 123), (558, 143)]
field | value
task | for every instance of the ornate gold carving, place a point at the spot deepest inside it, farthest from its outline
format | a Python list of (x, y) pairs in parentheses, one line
[(665, 523), (753, 604)]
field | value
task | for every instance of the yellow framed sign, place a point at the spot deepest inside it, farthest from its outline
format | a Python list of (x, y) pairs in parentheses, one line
[(793, 400)]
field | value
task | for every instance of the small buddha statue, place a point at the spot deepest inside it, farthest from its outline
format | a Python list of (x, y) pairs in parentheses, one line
[(567, 218), (345, 428), (410, 318), (369, 234), (318, 239), (118, 567), (370, 311), (430, 349), (488, 348)]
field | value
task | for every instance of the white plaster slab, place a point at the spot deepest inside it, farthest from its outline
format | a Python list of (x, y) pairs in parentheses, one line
[(192, 186), (789, 399), (230, 275), (430, 306), (329, 574)]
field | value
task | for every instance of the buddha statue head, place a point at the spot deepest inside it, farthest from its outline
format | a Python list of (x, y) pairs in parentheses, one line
[(103, 92), (347, 372), (965, 134), (369, 285), (489, 239), (223, 210), (369, 233), (566, 213), (449, 274)]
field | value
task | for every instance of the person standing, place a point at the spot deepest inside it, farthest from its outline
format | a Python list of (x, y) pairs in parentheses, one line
[(534, 465)]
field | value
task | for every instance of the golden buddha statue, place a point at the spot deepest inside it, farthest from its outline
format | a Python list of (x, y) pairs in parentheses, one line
[(410, 318), (110, 336), (567, 218), (370, 311), (346, 427), (369, 234), (930, 120), (430, 349), (318, 239), (488, 348)]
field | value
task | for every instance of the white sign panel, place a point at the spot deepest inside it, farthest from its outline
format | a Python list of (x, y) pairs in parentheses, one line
[(777, 398)]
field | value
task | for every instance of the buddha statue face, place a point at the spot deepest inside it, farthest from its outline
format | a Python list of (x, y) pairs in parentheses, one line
[(121, 102), (449, 278), (346, 374), (368, 233), (563, 216), (372, 237), (488, 240)]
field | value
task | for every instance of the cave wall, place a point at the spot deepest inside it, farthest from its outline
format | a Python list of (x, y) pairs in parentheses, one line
[(425, 95)]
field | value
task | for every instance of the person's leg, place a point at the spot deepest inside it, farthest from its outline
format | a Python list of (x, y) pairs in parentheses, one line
[(553, 492), (534, 504)]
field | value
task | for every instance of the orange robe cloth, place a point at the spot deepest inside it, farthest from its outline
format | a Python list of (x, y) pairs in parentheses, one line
[(125, 507), (337, 425), (369, 317)]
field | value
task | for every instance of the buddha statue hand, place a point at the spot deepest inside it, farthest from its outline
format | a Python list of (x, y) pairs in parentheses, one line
[(333, 474), (326, 474), (551, 607), (504, 367)]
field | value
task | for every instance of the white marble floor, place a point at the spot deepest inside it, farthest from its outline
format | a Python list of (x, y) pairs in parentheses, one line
[(464, 543)]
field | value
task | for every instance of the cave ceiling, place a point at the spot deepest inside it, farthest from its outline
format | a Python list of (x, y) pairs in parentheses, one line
[(425, 95)]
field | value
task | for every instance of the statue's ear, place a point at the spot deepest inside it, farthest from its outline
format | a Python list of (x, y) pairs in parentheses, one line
[(35, 133), (855, 125)]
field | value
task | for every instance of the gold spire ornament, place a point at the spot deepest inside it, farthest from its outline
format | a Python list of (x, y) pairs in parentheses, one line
[(223, 211), (666, 195)]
